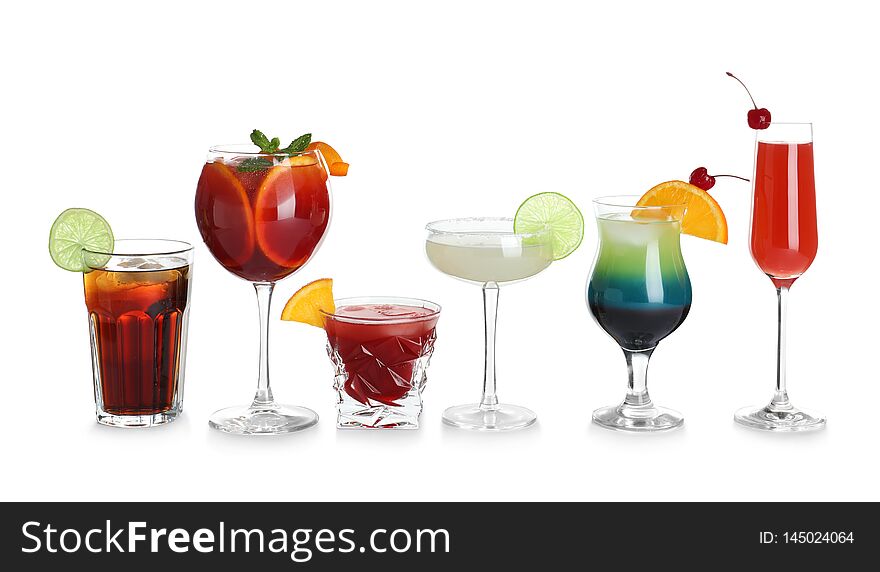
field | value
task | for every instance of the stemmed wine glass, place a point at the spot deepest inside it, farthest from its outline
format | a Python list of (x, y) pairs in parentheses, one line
[(487, 252), (262, 216), (639, 292), (783, 244)]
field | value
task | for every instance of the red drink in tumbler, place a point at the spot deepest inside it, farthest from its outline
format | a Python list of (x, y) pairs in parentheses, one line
[(137, 320), (381, 352)]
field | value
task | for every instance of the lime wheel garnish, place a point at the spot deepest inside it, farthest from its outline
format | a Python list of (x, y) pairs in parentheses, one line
[(76, 230), (556, 213)]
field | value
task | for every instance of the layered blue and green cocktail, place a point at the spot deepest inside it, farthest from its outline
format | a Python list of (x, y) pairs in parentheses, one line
[(639, 291)]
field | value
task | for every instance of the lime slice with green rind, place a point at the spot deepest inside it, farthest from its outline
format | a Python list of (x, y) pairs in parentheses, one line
[(556, 212), (75, 230)]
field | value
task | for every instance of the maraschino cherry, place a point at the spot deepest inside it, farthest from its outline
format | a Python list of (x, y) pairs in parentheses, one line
[(758, 118), (701, 178)]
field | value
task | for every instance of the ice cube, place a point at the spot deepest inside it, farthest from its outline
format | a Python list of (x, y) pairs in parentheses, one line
[(174, 262), (394, 312)]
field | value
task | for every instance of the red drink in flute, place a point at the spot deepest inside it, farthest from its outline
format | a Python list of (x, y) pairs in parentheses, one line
[(783, 243), (784, 237)]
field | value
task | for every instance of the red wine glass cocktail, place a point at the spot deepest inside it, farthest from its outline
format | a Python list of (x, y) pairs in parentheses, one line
[(263, 216)]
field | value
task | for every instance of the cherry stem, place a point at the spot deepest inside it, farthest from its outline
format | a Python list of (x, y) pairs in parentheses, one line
[(747, 91), (734, 176)]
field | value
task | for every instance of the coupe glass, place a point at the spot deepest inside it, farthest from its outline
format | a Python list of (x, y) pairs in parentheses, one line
[(783, 244), (639, 293), (262, 217), (487, 252)]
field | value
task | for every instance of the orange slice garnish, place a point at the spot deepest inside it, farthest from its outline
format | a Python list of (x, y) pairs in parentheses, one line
[(338, 167), (228, 225), (703, 217), (306, 305)]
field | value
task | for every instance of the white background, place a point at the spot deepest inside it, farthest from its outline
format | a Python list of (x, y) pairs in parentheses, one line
[(443, 109)]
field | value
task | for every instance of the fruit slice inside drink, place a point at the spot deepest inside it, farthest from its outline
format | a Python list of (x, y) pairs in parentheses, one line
[(263, 225)]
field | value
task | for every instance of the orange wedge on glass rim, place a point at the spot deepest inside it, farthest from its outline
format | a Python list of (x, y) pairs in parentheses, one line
[(703, 217), (338, 167), (307, 303)]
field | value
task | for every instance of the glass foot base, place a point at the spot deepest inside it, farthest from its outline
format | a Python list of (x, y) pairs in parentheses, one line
[(270, 420), (499, 418), (376, 418), (637, 419), (149, 420), (782, 419)]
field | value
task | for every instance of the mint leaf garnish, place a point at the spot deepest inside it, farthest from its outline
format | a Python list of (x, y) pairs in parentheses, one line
[(253, 164), (271, 147), (261, 140), (298, 145)]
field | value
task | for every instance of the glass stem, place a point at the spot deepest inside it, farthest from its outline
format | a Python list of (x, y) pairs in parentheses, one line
[(490, 312), (780, 397), (263, 398), (637, 386)]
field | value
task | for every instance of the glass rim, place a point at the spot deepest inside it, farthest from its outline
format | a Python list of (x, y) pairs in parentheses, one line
[(629, 202), (248, 150), (432, 227), (787, 132), (180, 248), (362, 300)]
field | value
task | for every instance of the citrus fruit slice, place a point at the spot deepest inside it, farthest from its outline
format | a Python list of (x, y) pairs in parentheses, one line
[(74, 230), (308, 302), (224, 215), (286, 195), (556, 212), (338, 167), (299, 161), (703, 217)]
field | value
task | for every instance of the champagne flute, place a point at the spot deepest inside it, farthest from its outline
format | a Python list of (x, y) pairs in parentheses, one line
[(784, 240)]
